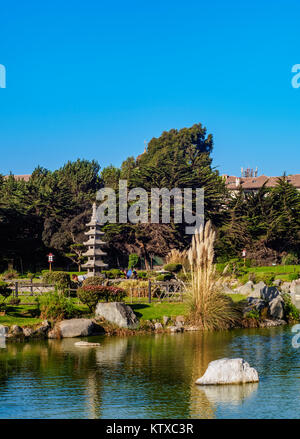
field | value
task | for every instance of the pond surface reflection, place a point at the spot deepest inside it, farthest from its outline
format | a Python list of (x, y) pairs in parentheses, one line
[(149, 376)]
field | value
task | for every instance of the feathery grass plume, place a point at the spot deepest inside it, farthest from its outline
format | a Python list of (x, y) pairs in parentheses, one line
[(210, 308)]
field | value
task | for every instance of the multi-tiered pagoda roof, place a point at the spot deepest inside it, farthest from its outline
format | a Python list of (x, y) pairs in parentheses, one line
[(94, 253)]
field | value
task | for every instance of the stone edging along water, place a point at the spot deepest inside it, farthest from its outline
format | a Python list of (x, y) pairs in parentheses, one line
[(264, 307), (92, 327)]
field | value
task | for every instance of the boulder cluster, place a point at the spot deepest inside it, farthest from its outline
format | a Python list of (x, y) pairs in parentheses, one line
[(267, 301), (64, 329)]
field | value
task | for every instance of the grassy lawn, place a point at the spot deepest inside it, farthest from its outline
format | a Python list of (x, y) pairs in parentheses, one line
[(26, 315), (150, 311), (283, 277), (279, 269), (20, 315), (237, 297)]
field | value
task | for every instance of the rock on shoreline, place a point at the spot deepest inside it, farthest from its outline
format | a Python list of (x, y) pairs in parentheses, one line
[(77, 328), (118, 314)]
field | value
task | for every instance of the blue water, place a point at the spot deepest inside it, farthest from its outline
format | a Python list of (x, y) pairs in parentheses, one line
[(149, 376)]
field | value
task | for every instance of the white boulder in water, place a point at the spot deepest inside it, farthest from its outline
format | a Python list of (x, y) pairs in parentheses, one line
[(229, 371)]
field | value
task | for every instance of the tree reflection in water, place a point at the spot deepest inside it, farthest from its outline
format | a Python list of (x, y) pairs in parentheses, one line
[(146, 376)]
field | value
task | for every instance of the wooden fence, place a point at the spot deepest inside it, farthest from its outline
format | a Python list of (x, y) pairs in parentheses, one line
[(155, 291)]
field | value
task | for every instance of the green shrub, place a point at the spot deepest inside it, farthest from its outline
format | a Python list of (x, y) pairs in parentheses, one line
[(5, 290), (60, 279), (90, 295), (236, 267), (293, 276), (28, 275), (95, 280), (54, 306), (220, 266), (245, 278), (164, 277), (253, 314), (185, 277), (133, 260), (10, 274), (142, 275), (114, 273), (289, 259), (173, 268), (267, 278), (291, 311)]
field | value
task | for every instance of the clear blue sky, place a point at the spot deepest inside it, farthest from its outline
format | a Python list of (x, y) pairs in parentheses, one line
[(94, 79)]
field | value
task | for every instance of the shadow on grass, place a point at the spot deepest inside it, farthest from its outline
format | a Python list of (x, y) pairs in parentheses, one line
[(15, 311), (136, 307)]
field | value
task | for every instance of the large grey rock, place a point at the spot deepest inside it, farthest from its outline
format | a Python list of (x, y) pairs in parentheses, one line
[(255, 294), (292, 296), (246, 289), (42, 329), (277, 282), (295, 287), (257, 289), (166, 320), (117, 313), (276, 308), (229, 371), (16, 330), (285, 287), (269, 293), (28, 332), (3, 330), (176, 328), (227, 290), (254, 304), (179, 320), (77, 328)]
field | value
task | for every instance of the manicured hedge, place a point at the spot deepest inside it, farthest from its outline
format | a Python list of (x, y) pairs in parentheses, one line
[(173, 268), (114, 273), (5, 292), (164, 277), (90, 295), (60, 279), (95, 280)]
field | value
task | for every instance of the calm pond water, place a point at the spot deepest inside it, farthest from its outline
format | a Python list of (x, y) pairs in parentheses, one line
[(149, 376)]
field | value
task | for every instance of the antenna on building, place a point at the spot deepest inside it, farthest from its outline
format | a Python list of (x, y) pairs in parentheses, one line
[(242, 172), (255, 172)]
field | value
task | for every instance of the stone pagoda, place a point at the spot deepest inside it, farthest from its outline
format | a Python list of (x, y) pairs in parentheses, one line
[(94, 265)]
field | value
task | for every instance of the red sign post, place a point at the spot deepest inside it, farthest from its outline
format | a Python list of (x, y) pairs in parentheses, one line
[(50, 260), (244, 253)]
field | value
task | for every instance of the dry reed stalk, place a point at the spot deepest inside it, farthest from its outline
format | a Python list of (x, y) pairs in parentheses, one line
[(210, 307)]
